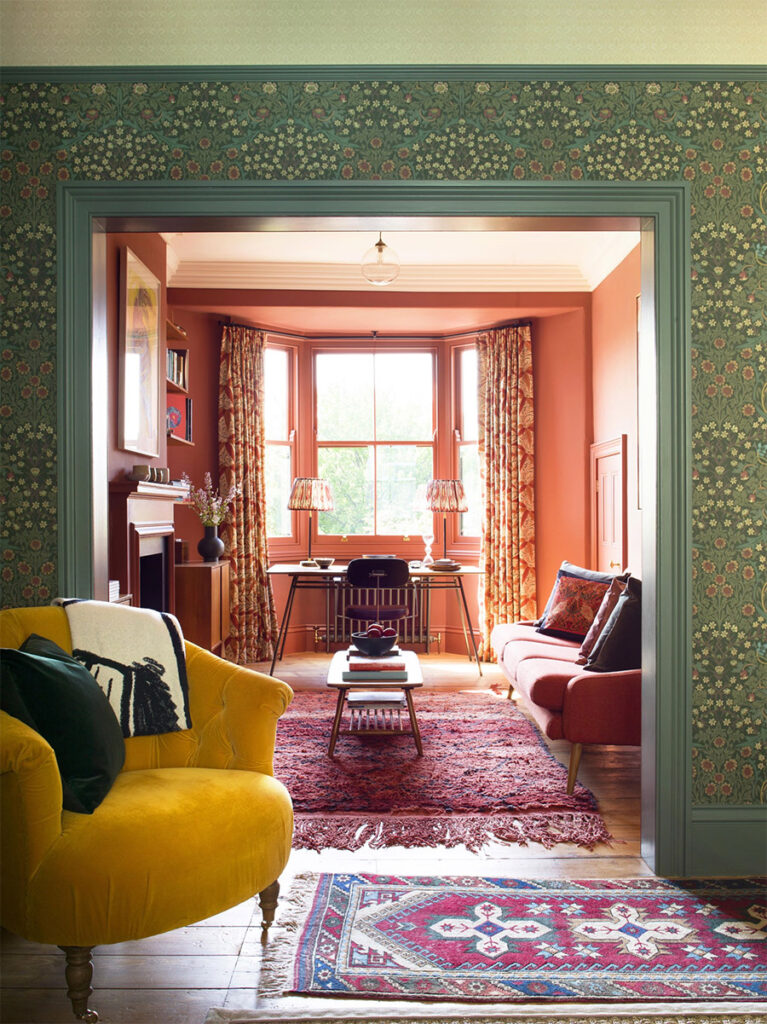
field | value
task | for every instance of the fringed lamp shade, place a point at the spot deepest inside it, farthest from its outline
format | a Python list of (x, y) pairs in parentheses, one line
[(445, 496), (310, 494)]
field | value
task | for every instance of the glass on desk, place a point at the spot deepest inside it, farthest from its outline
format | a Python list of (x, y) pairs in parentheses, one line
[(428, 540)]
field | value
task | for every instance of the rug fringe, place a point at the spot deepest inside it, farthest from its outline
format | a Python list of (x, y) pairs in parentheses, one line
[(280, 948), (587, 1014), (351, 832)]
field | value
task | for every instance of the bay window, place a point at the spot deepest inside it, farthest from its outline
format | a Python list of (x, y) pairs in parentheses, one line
[(375, 422), (280, 437)]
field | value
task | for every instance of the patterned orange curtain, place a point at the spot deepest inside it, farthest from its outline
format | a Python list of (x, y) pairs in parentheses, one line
[(241, 454), (506, 448)]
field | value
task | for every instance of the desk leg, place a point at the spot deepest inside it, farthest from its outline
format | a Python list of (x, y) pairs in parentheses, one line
[(279, 647), (414, 722), (468, 623), (337, 720)]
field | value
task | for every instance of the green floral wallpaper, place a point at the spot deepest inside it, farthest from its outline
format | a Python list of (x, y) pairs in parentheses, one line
[(710, 134)]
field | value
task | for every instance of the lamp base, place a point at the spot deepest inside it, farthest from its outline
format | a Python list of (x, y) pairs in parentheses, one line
[(308, 563)]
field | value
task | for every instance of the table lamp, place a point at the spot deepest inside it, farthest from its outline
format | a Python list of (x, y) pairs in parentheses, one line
[(310, 494), (445, 496)]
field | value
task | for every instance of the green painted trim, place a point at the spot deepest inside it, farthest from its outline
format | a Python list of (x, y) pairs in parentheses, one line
[(391, 73), (150, 205), (673, 614), (728, 841), (75, 476)]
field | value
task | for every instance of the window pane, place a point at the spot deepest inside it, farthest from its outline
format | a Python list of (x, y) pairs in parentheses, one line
[(404, 402), (469, 470), (344, 382), (278, 479), (276, 394), (403, 472), (350, 473), (469, 405)]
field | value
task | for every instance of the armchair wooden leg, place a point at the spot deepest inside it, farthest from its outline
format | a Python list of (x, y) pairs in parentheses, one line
[(575, 759), (267, 898), (79, 972)]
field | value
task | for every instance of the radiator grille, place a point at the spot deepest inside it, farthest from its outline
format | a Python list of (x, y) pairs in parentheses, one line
[(412, 629)]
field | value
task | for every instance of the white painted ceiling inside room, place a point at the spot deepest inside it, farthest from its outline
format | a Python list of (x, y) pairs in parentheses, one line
[(431, 261)]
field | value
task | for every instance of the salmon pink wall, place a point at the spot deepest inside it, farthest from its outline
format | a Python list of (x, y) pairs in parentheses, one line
[(203, 341), (614, 379), (562, 369), (562, 393), (151, 250)]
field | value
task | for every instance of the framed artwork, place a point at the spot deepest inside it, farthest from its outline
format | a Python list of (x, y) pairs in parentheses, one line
[(139, 405)]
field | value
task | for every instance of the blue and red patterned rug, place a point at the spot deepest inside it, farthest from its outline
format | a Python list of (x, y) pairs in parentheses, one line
[(498, 940)]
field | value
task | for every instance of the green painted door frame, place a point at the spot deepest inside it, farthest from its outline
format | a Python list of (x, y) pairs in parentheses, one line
[(87, 210)]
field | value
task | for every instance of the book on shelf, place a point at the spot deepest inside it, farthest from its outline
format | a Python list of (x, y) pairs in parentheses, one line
[(376, 665), (350, 676)]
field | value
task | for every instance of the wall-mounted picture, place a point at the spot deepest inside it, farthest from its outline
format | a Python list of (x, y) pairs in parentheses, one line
[(139, 412)]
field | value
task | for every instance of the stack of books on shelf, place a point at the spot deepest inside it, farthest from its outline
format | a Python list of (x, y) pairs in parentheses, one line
[(114, 590), (362, 668)]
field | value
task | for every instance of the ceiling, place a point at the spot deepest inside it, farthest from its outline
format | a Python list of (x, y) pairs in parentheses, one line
[(450, 280), (430, 260)]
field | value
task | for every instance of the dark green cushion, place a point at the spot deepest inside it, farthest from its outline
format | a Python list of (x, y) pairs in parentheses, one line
[(55, 695)]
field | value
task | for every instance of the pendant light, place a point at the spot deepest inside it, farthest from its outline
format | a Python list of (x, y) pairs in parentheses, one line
[(380, 264)]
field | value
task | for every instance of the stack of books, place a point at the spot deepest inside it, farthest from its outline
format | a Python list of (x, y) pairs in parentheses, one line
[(364, 668), (114, 590)]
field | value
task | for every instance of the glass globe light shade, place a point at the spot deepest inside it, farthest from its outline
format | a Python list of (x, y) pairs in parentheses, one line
[(380, 264)]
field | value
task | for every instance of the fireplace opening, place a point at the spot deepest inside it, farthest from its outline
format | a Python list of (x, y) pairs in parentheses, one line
[(153, 574)]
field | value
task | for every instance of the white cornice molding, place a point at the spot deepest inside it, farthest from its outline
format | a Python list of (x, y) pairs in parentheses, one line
[(241, 274)]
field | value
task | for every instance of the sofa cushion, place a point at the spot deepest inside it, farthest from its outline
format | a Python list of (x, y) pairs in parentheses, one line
[(577, 570), (55, 695), (513, 632), (609, 601), (543, 681), (619, 646), (574, 602), (515, 653)]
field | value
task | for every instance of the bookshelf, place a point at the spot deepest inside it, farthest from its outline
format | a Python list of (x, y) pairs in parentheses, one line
[(178, 402)]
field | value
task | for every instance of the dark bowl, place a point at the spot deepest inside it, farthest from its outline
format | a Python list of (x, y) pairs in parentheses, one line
[(373, 645)]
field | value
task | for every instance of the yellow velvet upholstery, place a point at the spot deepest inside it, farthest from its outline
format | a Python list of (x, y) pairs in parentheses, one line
[(195, 822)]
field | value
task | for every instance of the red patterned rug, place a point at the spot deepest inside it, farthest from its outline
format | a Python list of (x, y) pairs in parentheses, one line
[(648, 939), (485, 774)]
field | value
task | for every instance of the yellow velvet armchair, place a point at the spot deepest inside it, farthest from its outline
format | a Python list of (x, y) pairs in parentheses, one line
[(194, 823)]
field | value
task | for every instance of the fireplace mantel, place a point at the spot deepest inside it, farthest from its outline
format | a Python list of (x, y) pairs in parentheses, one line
[(141, 525)]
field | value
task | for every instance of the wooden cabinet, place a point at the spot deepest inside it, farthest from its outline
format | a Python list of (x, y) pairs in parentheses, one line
[(202, 602)]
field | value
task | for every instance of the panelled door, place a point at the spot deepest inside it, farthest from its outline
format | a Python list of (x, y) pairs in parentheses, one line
[(608, 505)]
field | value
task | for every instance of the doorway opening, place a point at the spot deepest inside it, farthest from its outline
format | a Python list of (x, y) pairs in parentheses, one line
[(659, 213)]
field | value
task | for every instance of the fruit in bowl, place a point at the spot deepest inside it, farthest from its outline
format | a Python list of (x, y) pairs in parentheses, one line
[(376, 640)]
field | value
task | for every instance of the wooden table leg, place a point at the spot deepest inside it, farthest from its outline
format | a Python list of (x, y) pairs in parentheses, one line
[(337, 721), (414, 722)]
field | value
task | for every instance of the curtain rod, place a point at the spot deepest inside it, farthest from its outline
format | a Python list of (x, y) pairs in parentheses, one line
[(374, 335)]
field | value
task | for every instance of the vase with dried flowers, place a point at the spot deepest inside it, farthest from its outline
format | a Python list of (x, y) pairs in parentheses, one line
[(213, 509)]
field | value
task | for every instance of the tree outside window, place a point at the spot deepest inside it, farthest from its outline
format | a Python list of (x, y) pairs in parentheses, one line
[(375, 420), (467, 436), (279, 440)]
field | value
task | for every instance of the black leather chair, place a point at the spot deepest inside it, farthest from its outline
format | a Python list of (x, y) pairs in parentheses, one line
[(377, 574)]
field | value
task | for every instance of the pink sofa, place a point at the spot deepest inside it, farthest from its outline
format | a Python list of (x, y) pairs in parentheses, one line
[(565, 700)]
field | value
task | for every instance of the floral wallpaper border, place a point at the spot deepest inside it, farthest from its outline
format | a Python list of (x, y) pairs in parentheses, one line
[(709, 133)]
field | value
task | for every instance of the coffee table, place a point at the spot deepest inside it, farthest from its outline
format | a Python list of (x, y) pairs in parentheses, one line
[(384, 697)]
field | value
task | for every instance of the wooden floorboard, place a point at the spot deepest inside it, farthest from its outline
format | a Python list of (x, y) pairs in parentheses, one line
[(176, 977)]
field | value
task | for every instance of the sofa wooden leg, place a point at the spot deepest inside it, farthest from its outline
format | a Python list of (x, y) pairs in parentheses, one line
[(268, 901), (79, 972), (575, 759)]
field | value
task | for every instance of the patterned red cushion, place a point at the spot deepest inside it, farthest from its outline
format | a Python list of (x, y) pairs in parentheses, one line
[(573, 605)]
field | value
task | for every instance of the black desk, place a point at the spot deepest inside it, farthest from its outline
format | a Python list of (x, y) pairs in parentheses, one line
[(329, 580)]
